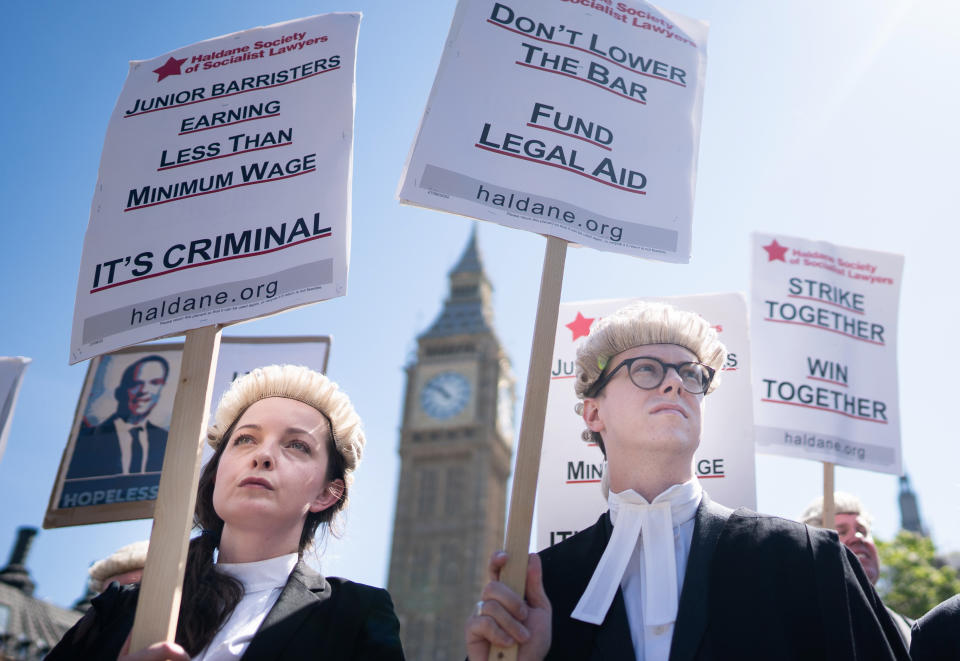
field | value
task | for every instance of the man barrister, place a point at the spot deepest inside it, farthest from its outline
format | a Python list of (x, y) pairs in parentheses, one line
[(126, 443), (666, 573)]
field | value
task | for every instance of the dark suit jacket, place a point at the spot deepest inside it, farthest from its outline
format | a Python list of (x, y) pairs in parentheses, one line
[(756, 587), (936, 635), (314, 618), (904, 625), (97, 451)]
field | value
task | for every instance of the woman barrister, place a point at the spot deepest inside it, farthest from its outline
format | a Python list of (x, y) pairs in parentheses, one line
[(286, 442)]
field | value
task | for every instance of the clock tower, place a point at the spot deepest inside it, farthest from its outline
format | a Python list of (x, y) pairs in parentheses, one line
[(455, 448)]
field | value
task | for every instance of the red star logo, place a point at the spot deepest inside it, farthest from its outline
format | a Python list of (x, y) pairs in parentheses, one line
[(170, 68), (580, 326), (775, 251)]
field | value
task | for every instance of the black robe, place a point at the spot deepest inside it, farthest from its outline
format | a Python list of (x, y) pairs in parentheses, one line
[(756, 587), (314, 618), (936, 635)]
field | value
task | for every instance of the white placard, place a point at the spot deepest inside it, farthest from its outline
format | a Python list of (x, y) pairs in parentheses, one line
[(11, 377), (240, 355), (825, 352), (568, 490), (224, 185), (577, 120)]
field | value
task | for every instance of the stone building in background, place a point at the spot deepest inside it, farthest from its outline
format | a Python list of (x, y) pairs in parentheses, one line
[(29, 627), (455, 450)]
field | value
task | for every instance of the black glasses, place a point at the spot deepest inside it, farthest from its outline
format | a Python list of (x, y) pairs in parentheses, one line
[(647, 373)]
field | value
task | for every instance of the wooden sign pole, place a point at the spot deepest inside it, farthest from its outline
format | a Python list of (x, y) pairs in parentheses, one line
[(161, 587), (829, 507), (531, 427)]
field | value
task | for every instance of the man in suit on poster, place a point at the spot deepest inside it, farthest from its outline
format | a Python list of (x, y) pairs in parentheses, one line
[(126, 443), (666, 573)]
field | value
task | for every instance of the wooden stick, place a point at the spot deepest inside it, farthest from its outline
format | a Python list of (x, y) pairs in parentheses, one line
[(829, 508), (159, 603), (514, 574)]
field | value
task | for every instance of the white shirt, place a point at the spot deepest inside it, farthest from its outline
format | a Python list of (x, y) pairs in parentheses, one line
[(125, 436), (263, 582), (652, 643)]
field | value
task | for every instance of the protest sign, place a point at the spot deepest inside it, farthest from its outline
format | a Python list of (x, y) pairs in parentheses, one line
[(825, 352), (240, 355), (568, 490), (179, 241), (11, 377), (100, 479), (579, 121), (224, 185)]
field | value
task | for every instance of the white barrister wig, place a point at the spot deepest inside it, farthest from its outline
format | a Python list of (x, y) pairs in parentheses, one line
[(127, 558), (304, 385), (843, 503), (646, 323)]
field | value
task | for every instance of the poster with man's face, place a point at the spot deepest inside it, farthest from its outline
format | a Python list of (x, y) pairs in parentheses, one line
[(115, 451), (111, 466)]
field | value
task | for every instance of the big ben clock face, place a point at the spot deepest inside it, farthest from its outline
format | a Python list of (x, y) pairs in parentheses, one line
[(445, 395)]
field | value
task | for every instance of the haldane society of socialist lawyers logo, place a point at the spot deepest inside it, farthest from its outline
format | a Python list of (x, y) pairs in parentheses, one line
[(170, 68), (580, 326), (776, 252), (227, 56)]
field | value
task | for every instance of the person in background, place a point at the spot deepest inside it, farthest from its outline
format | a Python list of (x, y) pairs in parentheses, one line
[(124, 566), (666, 573), (853, 524)]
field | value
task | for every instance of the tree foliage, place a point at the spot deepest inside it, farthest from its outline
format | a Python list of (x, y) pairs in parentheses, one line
[(912, 579)]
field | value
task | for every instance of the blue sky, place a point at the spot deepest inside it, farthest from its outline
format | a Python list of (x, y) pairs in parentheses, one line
[(831, 121)]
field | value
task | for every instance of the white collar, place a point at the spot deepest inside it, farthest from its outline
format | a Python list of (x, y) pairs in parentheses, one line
[(632, 514), (262, 574), (684, 499)]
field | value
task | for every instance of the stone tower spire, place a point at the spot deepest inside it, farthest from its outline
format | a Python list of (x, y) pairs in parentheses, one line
[(909, 509), (455, 450), (16, 573)]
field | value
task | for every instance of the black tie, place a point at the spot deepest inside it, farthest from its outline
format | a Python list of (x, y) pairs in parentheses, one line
[(136, 455)]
